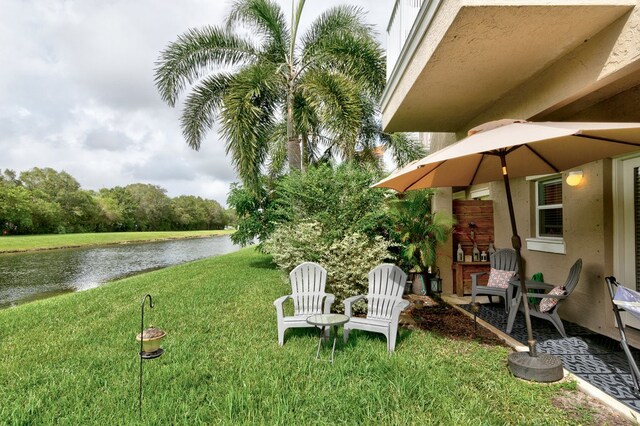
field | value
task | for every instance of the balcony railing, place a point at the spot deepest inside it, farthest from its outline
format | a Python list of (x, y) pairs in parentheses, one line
[(402, 19)]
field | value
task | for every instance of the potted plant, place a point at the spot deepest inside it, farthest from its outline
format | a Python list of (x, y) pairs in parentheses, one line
[(418, 231)]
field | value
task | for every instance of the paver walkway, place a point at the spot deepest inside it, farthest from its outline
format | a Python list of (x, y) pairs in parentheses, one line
[(593, 357)]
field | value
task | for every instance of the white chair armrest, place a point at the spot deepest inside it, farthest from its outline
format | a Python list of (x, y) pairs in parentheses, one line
[(279, 304), (397, 308), (350, 301), (400, 306), (328, 301), (280, 300)]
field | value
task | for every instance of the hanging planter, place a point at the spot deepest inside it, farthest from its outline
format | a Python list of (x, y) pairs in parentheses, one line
[(151, 339)]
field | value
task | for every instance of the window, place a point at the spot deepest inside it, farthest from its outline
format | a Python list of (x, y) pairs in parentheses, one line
[(480, 194), (548, 215), (549, 208)]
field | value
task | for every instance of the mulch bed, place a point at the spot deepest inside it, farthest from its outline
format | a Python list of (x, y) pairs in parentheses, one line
[(432, 314)]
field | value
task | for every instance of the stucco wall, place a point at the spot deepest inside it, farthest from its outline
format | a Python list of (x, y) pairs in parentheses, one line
[(582, 77), (596, 81), (588, 234), (442, 204)]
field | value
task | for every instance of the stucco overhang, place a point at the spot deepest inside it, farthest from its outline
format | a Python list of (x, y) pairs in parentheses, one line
[(461, 56)]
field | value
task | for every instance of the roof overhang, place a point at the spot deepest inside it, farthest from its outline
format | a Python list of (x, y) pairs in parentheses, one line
[(462, 56)]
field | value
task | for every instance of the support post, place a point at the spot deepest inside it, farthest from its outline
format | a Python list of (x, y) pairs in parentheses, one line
[(528, 366)]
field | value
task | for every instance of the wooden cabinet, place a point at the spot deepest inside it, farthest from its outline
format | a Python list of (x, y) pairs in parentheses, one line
[(474, 223), (462, 275)]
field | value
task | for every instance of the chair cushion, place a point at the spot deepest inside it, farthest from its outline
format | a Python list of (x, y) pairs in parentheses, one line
[(548, 303), (500, 278)]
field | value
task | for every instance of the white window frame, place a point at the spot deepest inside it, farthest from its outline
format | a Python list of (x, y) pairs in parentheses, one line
[(545, 243), (480, 193)]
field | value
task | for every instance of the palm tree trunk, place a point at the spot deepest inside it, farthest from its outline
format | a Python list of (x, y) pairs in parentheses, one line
[(293, 146), (305, 152)]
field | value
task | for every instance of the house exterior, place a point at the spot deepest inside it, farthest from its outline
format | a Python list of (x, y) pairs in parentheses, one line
[(455, 64)]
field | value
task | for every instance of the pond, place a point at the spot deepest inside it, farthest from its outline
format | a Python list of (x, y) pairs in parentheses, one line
[(25, 277)]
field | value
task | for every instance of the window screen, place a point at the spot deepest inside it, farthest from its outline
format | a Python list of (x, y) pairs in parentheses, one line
[(550, 208)]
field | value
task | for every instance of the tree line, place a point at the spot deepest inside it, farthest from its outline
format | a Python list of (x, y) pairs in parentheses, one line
[(45, 201)]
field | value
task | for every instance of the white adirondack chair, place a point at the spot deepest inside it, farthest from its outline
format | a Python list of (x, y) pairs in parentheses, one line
[(384, 304), (308, 282)]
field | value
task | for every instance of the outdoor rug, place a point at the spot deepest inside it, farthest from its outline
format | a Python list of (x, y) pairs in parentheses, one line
[(593, 357)]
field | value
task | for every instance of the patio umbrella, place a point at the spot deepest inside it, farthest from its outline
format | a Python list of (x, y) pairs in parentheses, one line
[(528, 148)]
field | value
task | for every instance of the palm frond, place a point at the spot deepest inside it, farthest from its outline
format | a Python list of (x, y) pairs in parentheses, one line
[(307, 125), (266, 18), (247, 118), (337, 102), (403, 148), (359, 57), (201, 106), (340, 39), (195, 52), (337, 20), (277, 149)]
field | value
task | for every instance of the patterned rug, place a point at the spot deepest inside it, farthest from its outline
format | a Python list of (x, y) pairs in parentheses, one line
[(593, 357)]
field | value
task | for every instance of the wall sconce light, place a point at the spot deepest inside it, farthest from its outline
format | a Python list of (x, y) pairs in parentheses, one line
[(574, 178)]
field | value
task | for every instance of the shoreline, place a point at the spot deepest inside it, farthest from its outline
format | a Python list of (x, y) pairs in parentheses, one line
[(111, 243)]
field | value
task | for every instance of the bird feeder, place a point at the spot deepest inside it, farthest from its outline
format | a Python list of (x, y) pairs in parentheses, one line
[(151, 338), (149, 345)]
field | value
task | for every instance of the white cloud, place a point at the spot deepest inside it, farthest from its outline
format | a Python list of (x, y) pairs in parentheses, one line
[(77, 91)]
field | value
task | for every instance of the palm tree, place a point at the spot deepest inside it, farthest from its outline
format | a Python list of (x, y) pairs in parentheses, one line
[(417, 229), (278, 97)]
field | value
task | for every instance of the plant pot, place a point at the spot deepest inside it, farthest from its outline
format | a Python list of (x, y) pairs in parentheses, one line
[(421, 282), (151, 338)]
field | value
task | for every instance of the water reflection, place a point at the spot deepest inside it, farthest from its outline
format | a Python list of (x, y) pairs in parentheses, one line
[(28, 276)]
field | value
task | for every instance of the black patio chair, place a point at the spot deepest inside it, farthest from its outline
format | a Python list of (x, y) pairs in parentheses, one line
[(548, 307)]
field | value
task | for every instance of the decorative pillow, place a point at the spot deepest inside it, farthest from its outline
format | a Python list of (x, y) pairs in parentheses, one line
[(500, 278), (548, 303)]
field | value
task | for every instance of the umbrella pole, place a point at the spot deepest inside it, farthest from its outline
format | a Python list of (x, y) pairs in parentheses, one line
[(527, 365), (516, 242)]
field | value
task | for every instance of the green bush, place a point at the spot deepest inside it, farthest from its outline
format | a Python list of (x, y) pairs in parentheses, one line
[(347, 260), (339, 198), (292, 244)]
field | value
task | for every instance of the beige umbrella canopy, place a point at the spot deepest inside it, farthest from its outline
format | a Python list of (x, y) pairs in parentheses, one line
[(528, 148)]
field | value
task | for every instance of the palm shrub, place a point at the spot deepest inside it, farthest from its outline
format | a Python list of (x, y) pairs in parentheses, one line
[(417, 229)]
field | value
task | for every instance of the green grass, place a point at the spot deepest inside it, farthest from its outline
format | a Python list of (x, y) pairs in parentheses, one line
[(13, 243), (73, 360)]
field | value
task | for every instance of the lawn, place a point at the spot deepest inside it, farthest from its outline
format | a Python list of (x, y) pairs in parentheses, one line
[(14, 243), (73, 360)]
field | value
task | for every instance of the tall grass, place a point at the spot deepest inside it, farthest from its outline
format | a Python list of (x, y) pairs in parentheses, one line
[(12, 243), (73, 360)]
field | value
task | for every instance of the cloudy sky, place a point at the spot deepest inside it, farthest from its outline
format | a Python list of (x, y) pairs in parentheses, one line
[(77, 93)]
